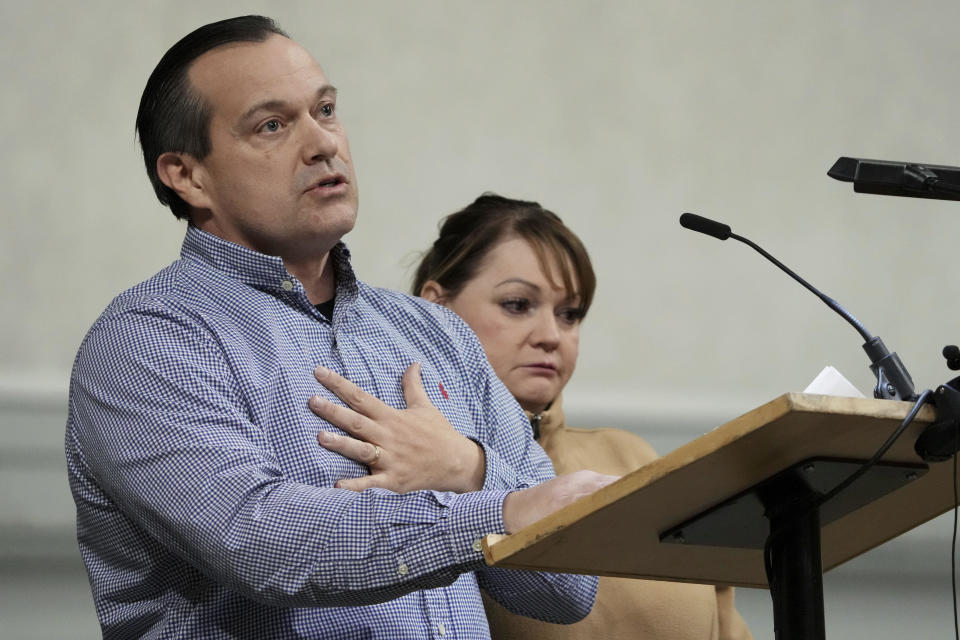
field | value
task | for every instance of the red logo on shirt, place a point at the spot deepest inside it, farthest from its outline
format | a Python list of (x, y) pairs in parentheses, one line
[(443, 392)]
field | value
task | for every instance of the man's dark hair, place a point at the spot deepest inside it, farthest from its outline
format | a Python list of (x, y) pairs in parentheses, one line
[(172, 115)]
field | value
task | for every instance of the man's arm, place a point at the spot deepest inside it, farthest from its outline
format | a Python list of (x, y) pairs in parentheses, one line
[(159, 424), (552, 597), (416, 448), (163, 430), (378, 430)]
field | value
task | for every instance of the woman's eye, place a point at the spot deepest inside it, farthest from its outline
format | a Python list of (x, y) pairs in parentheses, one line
[(571, 315), (515, 305)]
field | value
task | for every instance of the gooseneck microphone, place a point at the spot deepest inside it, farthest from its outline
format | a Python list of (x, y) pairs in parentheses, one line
[(893, 381), (891, 178)]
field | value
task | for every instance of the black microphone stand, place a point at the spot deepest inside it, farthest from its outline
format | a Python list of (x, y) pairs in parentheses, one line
[(792, 503), (941, 440), (792, 500), (893, 380)]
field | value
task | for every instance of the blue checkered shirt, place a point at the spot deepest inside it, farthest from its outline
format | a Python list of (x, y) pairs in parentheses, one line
[(206, 508)]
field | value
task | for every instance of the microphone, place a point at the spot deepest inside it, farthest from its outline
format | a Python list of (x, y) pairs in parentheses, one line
[(909, 179), (705, 225), (893, 381)]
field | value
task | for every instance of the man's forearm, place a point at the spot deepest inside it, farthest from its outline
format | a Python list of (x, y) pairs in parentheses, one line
[(560, 598)]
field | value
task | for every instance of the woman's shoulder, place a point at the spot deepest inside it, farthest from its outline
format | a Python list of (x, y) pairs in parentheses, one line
[(606, 450), (616, 437)]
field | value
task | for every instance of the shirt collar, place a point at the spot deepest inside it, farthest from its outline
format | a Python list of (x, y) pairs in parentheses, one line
[(259, 270)]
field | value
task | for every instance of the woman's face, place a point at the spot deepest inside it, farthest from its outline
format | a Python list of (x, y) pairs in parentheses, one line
[(528, 325)]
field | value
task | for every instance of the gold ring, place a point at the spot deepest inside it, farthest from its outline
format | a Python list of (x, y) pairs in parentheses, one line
[(376, 455)]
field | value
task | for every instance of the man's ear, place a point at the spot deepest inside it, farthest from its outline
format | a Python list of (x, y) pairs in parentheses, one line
[(184, 175), (434, 292)]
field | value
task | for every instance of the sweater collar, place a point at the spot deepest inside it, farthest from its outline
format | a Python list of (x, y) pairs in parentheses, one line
[(548, 421)]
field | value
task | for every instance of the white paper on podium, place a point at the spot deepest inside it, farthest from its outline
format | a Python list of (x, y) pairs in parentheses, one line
[(831, 382)]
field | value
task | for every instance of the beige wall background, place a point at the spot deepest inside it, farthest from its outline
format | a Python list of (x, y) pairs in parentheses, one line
[(617, 115)]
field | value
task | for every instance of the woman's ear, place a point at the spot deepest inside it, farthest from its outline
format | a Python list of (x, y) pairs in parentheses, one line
[(434, 292)]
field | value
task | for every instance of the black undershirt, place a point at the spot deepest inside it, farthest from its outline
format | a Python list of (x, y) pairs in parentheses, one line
[(326, 308)]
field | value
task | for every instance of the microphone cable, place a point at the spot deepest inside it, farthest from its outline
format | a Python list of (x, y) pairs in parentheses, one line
[(953, 544), (956, 498), (880, 452), (893, 381)]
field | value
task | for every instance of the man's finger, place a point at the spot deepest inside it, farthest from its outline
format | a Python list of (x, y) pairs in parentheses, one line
[(355, 397), (365, 482), (413, 392), (347, 419), (356, 450)]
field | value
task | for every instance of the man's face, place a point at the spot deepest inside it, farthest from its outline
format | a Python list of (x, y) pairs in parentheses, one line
[(279, 178)]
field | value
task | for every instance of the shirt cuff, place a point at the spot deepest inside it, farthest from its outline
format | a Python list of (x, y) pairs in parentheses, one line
[(470, 517)]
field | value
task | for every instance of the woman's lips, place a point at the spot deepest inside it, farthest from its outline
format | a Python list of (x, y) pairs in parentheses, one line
[(542, 368)]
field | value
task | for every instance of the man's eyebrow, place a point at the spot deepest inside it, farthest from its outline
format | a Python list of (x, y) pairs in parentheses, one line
[(274, 104)]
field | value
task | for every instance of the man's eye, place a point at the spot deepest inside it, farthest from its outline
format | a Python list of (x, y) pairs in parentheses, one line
[(271, 126), (327, 110)]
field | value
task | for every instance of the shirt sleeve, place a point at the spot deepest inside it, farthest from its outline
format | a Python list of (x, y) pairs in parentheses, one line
[(158, 423), (520, 462)]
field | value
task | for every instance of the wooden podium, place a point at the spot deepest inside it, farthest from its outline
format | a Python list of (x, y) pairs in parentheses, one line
[(694, 516)]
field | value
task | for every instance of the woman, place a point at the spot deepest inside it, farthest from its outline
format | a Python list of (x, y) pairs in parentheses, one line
[(523, 281)]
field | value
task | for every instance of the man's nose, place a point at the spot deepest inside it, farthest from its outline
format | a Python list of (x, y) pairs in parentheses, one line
[(319, 142)]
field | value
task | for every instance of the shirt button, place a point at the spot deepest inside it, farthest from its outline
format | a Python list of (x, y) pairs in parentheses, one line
[(286, 285), (442, 629), (402, 569), (477, 545)]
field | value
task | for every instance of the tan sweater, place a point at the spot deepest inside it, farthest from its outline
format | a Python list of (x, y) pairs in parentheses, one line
[(625, 608)]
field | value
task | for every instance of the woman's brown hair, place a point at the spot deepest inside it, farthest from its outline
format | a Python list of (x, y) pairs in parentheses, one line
[(467, 236)]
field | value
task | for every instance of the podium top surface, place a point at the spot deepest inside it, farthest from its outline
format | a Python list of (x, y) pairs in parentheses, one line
[(616, 531)]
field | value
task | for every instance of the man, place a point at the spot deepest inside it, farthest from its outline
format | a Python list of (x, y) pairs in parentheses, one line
[(205, 506)]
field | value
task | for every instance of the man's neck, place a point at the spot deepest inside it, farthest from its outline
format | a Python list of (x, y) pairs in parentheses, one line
[(315, 273), (317, 276)]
